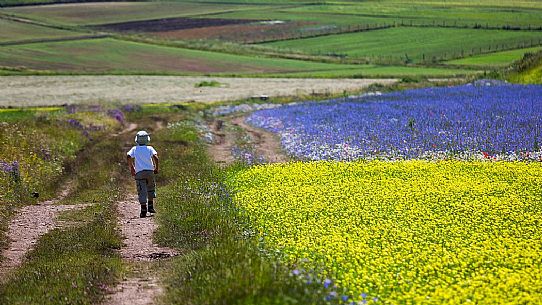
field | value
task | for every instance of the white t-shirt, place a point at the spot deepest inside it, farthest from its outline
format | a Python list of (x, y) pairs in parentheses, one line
[(143, 157)]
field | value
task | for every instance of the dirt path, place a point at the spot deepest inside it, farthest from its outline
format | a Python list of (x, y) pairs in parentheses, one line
[(142, 285), (224, 141), (30, 223), (265, 144), (137, 233)]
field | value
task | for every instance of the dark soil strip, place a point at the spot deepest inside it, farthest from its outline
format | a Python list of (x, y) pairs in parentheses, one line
[(171, 24)]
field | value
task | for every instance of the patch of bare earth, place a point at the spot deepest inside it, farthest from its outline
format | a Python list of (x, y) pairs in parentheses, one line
[(28, 225), (245, 33), (142, 285), (265, 144), (56, 90)]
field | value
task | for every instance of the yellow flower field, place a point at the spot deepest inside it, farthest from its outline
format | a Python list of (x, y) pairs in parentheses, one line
[(405, 232)]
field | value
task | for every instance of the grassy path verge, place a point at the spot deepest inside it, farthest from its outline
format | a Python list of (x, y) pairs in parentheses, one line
[(75, 264), (222, 262), (30, 223)]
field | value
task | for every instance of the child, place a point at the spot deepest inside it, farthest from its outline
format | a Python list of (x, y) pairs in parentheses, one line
[(143, 164)]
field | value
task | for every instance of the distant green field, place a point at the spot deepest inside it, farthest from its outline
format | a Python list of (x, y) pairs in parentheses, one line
[(368, 71), (112, 12), (445, 13), (487, 13), (498, 59), (412, 42), (16, 31), (122, 57), (417, 31)]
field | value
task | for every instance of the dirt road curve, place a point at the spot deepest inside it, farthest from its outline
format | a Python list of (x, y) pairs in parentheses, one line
[(30, 223), (58, 90)]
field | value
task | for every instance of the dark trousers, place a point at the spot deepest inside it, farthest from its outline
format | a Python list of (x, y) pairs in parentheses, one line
[(146, 186)]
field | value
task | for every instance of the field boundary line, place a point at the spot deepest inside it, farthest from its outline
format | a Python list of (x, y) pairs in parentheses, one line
[(62, 39)]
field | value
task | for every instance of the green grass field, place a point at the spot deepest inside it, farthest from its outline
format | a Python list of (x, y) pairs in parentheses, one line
[(399, 42), (122, 57), (369, 71), (112, 12), (498, 59), (455, 13), (11, 31)]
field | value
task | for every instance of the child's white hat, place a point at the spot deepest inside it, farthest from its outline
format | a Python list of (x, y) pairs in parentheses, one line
[(142, 137)]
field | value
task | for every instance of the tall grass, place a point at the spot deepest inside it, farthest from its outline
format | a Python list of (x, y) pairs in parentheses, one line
[(75, 265), (223, 262)]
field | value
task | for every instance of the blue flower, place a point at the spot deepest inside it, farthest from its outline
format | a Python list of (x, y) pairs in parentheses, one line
[(327, 283), (332, 295), (460, 122)]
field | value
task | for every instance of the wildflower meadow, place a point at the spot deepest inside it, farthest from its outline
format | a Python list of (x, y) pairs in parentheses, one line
[(403, 232), (471, 121), (425, 196)]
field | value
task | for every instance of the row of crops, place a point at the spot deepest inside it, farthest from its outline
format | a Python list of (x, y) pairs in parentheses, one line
[(426, 196)]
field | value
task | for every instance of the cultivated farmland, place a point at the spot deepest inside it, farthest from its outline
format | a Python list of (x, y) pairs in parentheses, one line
[(394, 232), (306, 154), (12, 31), (417, 44), (56, 90), (378, 32), (498, 59), (114, 12), (125, 57)]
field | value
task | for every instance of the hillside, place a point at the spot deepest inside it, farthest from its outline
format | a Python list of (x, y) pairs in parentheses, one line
[(388, 38)]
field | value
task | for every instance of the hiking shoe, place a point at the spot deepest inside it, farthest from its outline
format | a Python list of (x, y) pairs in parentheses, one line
[(143, 213), (151, 208)]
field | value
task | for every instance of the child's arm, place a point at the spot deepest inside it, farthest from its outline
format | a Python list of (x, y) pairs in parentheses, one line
[(155, 160), (131, 165)]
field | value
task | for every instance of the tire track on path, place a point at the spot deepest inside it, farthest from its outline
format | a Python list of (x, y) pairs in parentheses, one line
[(265, 143), (142, 285), (29, 224)]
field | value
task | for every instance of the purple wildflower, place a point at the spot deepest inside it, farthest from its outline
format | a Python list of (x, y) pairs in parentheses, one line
[(131, 108), (45, 154), (5, 166), (117, 114), (70, 109), (327, 283), (75, 123)]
